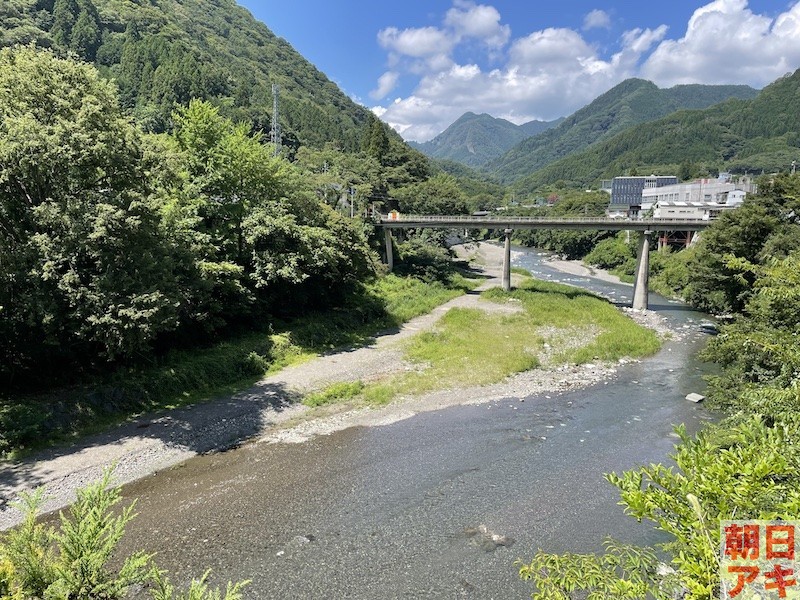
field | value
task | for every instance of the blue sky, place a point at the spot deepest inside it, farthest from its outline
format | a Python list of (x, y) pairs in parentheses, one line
[(421, 64)]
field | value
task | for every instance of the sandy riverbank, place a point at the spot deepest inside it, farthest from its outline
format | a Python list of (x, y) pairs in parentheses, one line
[(578, 268), (269, 411)]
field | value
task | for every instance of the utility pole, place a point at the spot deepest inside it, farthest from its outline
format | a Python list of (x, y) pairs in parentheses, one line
[(275, 133), (352, 202)]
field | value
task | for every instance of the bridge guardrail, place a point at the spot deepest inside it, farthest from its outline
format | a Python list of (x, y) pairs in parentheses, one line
[(500, 220)]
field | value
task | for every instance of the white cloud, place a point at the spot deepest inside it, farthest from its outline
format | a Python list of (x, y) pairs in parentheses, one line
[(553, 72), (386, 83), (597, 19), (725, 42), (481, 22), (416, 42), (548, 74)]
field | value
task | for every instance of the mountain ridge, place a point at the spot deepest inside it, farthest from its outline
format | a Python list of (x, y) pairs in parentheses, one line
[(474, 139), (162, 53), (629, 103), (761, 134)]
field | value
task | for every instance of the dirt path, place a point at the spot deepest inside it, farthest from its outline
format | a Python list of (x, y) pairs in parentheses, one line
[(269, 411)]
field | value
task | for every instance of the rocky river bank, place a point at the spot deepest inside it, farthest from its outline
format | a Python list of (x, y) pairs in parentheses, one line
[(269, 411)]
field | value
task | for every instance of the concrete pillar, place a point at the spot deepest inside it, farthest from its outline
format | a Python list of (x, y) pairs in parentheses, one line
[(642, 272), (507, 261), (389, 257)]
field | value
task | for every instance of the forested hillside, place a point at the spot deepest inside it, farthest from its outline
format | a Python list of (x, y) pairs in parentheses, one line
[(754, 136), (115, 244), (631, 102), (163, 52), (474, 140)]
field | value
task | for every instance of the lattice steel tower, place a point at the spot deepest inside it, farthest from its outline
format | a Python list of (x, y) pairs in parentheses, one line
[(275, 132)]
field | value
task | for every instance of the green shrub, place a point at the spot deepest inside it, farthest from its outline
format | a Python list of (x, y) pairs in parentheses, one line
[(420, 258), (623, 571), (611, 253), (74, 562)]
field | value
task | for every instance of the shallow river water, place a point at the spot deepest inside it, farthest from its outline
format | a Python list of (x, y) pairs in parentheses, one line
[(408, 510)]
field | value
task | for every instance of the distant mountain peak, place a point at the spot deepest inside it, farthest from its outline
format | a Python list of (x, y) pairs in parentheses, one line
[(474, 139), (627, 104)]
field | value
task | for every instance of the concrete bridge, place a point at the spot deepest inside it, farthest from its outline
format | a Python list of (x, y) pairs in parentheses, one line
[(508, 224)]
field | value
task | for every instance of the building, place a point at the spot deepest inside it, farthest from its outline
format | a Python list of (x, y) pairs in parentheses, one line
[(626, 192), (703, 199)]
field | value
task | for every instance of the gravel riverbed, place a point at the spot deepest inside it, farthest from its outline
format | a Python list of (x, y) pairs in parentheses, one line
[(269, 412)]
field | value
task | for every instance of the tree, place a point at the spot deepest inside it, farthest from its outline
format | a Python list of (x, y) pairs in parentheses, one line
[(65, 13), (86, 35), (376, 141), (741, 233), (438, 195), (261, 215), (86, 267)]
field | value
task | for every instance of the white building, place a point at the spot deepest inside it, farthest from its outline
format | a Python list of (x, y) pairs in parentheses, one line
[(703, 199)]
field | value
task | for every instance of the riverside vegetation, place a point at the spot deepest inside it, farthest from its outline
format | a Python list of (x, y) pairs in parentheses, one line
[(77, 560), (746, 467), (144, 270), (472, 347)]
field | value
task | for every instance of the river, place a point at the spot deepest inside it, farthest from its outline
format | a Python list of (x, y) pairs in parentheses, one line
[(408, 510)]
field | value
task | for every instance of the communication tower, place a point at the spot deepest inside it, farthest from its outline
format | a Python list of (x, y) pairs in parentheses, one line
[(275, 132)]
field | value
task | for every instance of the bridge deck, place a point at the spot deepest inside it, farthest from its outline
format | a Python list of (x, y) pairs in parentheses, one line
[(503, 222)]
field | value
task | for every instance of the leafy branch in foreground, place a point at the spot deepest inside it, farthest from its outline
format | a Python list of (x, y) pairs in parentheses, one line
[(73, 563), (624, 571)]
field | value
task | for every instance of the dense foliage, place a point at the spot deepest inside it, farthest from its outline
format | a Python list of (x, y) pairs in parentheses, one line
[(630, 103), (163, 53), (115, 243), (740, 136), (745, 467)]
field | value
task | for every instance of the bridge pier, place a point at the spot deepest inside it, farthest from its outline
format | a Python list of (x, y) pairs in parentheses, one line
[(642, 271), (507, 261), (389, 257)]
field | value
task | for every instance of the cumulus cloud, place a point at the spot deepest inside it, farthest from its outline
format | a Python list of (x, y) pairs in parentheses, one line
[(547, 74), (553, 72), (386, 83), (725, 42), (597, 19), (479, 21), (416, 42)]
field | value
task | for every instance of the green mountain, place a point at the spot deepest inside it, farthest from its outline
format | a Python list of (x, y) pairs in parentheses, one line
[(741, 136), (631, 102), (165, 52), (474, 140)]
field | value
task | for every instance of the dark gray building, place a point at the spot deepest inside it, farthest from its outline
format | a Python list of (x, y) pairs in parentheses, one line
[(626, 192)]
